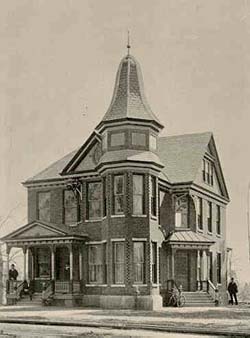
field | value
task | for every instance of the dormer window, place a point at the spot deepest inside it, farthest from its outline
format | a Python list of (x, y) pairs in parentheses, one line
[(208, 172)]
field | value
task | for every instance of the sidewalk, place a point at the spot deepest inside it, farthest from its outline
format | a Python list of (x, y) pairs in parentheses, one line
[(215, 321)]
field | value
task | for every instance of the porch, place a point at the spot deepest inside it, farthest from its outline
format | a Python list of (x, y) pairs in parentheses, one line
[(52, 265)]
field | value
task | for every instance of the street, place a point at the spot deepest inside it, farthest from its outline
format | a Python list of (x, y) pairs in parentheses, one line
[(37, 331)]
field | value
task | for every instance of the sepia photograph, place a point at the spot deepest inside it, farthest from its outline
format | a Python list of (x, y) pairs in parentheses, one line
[(125, 168)]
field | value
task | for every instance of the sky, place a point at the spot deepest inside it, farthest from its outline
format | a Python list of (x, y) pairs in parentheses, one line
[(58, 61)]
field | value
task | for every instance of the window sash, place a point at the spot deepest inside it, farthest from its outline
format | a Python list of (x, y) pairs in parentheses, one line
[(71, 207), (44, 206), (153, 195), (96, 263), (209, 216), (154, 262), (200, 213), (218, 219), (118, 193), (139, 262), (94, 200), (138, 194), (119, 262)]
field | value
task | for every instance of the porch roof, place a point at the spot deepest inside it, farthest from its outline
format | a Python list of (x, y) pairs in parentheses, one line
[(38, 232), (188, 239)]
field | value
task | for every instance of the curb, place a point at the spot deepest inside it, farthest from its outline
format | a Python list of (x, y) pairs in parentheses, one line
[(130, 326)]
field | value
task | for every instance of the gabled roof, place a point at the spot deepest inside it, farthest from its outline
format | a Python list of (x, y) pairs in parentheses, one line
[(53, 171), (129, 101), (39, 229), (182, 155)]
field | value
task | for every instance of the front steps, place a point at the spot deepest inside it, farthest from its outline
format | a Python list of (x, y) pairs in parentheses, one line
[(198, 298), (25, 300)]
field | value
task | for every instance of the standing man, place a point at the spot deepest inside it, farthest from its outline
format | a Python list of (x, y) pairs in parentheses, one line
[(13, 273), (232, 289)]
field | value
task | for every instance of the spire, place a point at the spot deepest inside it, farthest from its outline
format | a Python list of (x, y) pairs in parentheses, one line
[(129, 101), (128, 44)]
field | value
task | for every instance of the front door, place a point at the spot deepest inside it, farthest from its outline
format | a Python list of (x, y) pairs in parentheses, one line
[(182, 269)]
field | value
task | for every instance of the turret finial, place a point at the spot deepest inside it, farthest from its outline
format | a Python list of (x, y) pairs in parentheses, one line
[(128, 44)]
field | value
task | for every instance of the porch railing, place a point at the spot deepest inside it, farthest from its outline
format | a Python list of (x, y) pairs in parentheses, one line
[(212, 290), (67, 287)]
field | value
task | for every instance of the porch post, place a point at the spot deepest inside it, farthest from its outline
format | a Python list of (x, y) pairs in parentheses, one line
[(198, 269), (204, 263), (80, 263), (7, 260), (52, 250), (173, 251), (71, 262), (24, 263)]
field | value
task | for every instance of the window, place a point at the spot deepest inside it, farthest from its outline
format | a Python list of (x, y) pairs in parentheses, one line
[(219, 268), (152, 142), (163, 210), (117, 139), (208, 172), (154, 262), (71, 207), (139, 139), (181, 212), (44, 206), (209, 216), (139, 262), (218, 220), (118, 194), (104, 197), (94, 204), (118, 262), (153, 195), (138, 194), (42, 266), (97, 264), (200, 214)]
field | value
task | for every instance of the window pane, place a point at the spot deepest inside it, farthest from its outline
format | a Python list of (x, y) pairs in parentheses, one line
[(137, 184), (137, 205), (118, 184), (70, 207), (119, 204), (117, 139), (139, 262), (119, 259), (139, 139)]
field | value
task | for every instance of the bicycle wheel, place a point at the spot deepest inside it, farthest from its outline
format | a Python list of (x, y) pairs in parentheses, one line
[(181, 301), (172, 301)]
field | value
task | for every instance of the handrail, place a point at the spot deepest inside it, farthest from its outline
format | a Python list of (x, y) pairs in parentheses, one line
[(212, 290)]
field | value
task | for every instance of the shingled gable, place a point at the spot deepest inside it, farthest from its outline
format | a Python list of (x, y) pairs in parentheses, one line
[(129, 101), (84, 158), (182, 157)]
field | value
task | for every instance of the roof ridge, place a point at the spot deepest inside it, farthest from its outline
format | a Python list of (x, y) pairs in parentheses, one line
[(187, 134)]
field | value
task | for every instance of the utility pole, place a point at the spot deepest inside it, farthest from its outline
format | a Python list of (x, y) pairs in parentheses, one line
[(248, 219)]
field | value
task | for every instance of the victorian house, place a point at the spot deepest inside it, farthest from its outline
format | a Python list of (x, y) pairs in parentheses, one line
[(129, 214)]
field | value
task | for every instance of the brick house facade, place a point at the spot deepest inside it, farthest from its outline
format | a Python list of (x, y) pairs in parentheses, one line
[(117, 222)]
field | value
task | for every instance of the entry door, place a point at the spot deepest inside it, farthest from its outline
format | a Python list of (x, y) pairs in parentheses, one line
[(182, 269)]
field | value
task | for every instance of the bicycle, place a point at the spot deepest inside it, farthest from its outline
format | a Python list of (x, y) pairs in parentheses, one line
[(177, 299)]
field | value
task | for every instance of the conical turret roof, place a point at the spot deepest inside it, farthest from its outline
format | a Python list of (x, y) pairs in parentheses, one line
[(129, 101)]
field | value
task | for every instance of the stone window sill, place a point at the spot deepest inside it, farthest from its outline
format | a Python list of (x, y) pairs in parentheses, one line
[(117, 285), (117, 216), (92, 285)]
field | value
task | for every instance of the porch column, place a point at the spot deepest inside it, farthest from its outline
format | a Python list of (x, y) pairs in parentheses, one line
[(173, 252), (71, 262), (204, 265), (52, 250), (7, 260), (80, 263), (25, 263), (198, 269), (32, 274)]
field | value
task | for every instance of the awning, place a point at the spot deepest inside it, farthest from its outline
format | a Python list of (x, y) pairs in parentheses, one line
[(188, 239)]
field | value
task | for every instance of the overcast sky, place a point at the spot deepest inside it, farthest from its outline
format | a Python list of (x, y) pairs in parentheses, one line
[(58, 56)]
